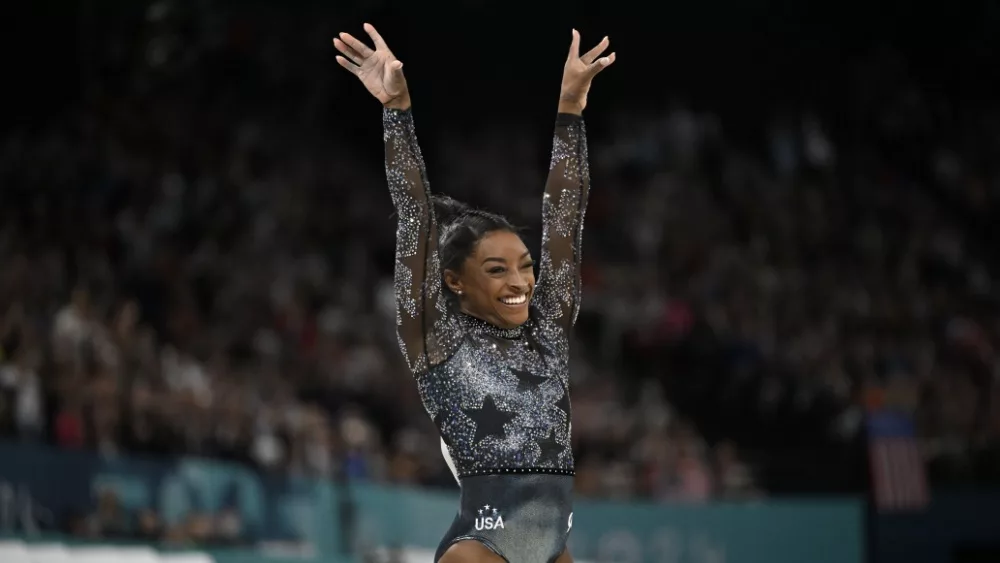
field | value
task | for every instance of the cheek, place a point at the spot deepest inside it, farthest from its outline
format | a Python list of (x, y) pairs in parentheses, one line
[(495, 286), (487, 286)]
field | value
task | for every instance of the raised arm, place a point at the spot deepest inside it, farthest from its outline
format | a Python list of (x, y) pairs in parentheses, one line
[(567, 188), (563, 208), (423, 325)]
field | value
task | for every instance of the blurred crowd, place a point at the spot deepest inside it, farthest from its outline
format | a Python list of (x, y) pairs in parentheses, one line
[(193, 265), (110, 520)]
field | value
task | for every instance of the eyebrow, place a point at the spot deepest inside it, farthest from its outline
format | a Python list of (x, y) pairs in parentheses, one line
[(502, 261)]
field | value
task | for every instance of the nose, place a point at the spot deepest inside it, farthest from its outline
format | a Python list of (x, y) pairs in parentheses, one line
[(518, 282)]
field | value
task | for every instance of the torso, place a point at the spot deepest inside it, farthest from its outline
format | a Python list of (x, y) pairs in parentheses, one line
[(501, 401)]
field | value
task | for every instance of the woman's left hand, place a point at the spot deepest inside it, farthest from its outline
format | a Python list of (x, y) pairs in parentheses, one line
[(579, 71)]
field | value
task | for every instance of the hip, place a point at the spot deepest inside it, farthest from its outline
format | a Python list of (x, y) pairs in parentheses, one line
[(517, 512)]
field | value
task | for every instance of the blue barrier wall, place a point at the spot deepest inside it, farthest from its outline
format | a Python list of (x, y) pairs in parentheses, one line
[(776, 532), (55, 483)]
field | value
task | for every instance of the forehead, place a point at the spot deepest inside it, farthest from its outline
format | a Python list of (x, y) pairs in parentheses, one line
[(501, 244)]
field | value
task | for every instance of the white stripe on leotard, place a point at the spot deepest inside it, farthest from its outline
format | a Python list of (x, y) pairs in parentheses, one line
[(449, 461)]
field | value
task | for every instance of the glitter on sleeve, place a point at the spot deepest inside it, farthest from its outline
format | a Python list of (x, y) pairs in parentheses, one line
[(563, 207), (427, 335)]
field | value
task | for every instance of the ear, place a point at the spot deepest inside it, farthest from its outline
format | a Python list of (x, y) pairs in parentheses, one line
[(453, 281)]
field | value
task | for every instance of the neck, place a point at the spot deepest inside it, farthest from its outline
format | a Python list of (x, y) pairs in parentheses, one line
[(512, 333), (495, 321)]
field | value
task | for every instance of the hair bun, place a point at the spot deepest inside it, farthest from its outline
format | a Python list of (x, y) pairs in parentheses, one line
[(460, 228), (448, 210)]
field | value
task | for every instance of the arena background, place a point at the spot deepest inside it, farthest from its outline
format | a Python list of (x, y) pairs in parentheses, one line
[(789, 345)]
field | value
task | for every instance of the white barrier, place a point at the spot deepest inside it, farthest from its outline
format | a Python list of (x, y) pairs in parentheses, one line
[(425, 556), (13, 551)]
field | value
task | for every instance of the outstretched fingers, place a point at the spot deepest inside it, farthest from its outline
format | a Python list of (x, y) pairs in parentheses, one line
[(358, 46), (351, 67), (376, 38), (348, 52), (574, 46), (590, 56), (601, 64)]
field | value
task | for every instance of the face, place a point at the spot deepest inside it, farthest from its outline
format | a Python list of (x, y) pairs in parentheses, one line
[(496, 281)]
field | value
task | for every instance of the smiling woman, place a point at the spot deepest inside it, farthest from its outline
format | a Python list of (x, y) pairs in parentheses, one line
[(488, 346), (485, 263)]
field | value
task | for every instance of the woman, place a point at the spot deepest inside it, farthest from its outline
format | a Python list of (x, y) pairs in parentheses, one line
[(488, 346)]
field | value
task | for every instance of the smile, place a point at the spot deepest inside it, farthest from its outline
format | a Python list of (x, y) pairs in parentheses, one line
[(514, 301)]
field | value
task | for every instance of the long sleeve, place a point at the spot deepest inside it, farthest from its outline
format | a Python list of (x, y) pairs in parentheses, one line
[(563, 208), (424, 327)]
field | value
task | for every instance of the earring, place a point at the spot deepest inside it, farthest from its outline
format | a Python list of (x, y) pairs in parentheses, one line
[(459, 292)]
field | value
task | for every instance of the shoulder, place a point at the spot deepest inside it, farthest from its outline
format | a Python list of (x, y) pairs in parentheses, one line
[(544, 329), (451, 339)]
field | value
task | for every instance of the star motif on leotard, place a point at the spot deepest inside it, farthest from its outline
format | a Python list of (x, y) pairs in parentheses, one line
[(550, 449), (489, 420), (527, 381)]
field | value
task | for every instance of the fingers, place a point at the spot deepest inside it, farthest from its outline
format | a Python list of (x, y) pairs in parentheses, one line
[(574, 46), (591, 55), (601, 64), (345, 49), (395, 79), (396, 72), (351, 67), (359, 47), (376, 38)]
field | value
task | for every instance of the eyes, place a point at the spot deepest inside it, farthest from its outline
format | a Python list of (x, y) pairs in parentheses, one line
[(498, 270)]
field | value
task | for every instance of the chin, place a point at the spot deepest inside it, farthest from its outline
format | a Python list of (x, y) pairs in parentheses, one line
[(513, 316), (515, 319)]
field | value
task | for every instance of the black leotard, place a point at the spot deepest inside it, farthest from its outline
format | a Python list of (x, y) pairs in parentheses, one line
[(500, 397)]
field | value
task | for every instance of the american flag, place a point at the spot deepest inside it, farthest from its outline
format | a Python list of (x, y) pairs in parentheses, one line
[(898, 476)]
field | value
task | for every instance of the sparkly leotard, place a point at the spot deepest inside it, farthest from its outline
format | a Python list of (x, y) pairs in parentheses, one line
[(500, 397)]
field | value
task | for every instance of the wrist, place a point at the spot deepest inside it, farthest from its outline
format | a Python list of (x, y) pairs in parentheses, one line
[(401, 103), (569, 105)]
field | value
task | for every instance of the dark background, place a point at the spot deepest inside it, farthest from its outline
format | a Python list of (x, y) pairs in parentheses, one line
[(742, 58)]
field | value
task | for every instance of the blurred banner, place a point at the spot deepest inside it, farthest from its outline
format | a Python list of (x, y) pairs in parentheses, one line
[(897, 466), (41, 488)]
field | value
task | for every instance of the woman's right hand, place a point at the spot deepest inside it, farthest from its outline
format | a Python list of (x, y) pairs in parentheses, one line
[(379, 70)]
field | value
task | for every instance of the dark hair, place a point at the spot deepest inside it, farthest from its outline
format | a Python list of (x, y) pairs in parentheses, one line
[(461, 227)]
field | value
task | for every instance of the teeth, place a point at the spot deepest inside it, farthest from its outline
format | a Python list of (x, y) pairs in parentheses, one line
[(514, 300)]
